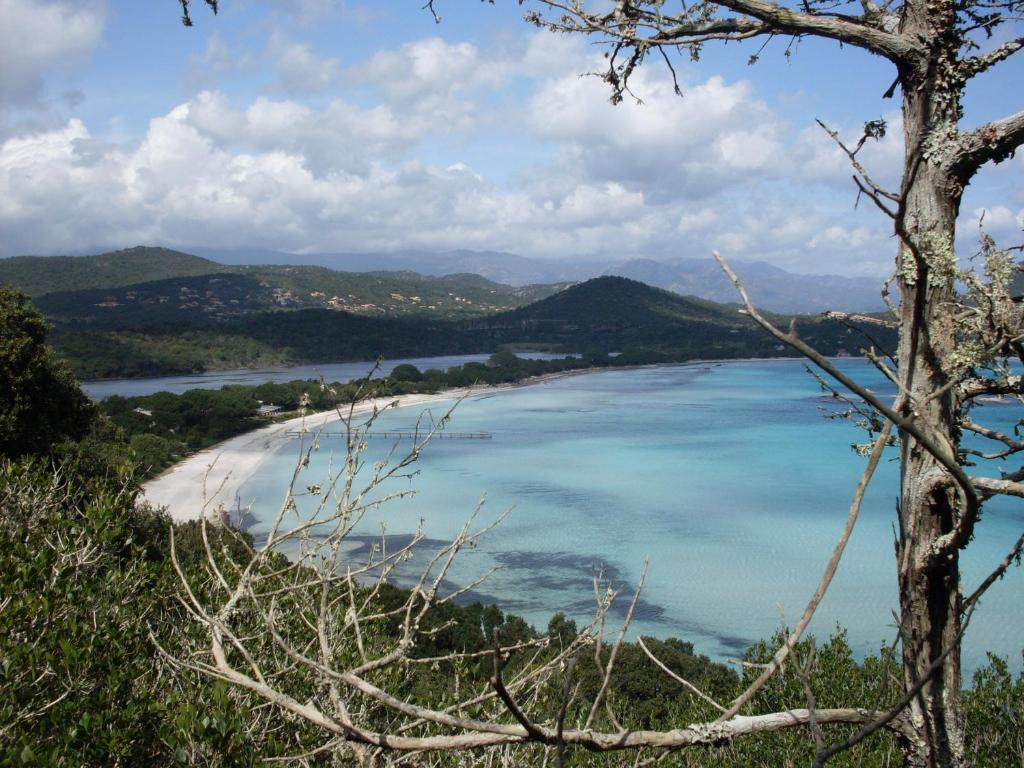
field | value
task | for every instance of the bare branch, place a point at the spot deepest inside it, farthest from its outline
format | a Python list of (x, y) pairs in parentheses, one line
[(685, 683), (989, 486), (837, 553), (993, 142), (532, 731), (944, 454), (875, 191), (1007, 385), (977, 64), (615, 650), (1014, 555), (638, 25)]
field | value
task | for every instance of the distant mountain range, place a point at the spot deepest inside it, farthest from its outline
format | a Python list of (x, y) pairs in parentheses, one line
[(500, 267), (146, 286), (772, 288), (152, 311)]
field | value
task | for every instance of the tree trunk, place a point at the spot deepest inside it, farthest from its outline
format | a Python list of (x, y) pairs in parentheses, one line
[(929, 581)]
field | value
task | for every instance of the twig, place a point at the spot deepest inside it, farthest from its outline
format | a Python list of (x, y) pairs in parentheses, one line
[(826, 579), (685, 683)]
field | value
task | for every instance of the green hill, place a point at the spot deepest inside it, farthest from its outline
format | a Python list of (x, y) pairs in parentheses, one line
[(609, 314), (618, 302), (40, 275), (152, 286), (598, 317)]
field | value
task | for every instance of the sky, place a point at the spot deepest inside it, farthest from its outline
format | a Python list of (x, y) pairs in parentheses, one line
[(322, 126)]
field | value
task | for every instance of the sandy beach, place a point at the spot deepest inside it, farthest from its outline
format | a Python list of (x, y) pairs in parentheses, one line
[(203, 482), (209, 479)]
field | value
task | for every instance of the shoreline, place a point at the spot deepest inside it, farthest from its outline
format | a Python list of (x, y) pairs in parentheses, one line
[(203, 482)]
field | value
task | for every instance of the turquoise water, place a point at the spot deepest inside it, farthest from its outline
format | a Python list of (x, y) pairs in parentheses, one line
[(728, 478)]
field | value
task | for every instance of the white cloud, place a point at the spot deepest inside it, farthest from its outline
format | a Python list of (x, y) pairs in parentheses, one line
[(435, 81), (714, 136), (299, 69), (290, 177), (673, 177), (341, 136), (36, 37)]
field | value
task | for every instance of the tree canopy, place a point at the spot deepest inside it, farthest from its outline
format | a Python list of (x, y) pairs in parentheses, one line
[(42, 403)]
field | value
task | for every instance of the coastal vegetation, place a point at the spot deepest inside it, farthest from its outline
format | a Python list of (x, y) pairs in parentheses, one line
[(272, 316), (91, 603), (94, 627), (163, 427), (958, 331)]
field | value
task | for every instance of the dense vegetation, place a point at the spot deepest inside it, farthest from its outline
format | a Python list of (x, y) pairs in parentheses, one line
[(604, 315), (145, 286), (90, 621), (152, 312), (41, 402), (37, 275), (128, 354)]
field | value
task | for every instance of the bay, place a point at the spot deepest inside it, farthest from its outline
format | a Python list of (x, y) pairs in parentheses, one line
[(728, 478)]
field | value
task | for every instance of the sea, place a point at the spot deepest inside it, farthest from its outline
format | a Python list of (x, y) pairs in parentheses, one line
[(729, 482)]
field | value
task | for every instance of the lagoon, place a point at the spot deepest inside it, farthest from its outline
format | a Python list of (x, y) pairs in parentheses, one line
[(729, 478), (331, 372)]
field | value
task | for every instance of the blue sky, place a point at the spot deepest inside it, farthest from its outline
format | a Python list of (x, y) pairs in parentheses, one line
[(334, 125)]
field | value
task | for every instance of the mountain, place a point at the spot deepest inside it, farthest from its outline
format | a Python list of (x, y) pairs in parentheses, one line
[(507, 268), (146, 286), (614, 313), (771, 288), (597, 317), (39, 275)]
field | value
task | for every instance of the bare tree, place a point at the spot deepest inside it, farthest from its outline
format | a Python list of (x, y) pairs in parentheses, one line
[(311, 636), (953, 350)]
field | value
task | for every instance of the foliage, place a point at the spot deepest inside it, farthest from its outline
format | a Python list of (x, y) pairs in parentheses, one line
[(38, 275), (85, 580), (994, 712), (41, 402), (89, 594), (99, 354), (600, 316)]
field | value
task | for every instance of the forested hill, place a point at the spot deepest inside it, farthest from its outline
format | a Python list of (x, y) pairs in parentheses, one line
[(609, 314), (39, 275), (154, 285), (619, 301), (601, 316)]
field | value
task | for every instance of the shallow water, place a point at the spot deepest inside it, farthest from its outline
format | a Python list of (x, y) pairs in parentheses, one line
[(728, 478)]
